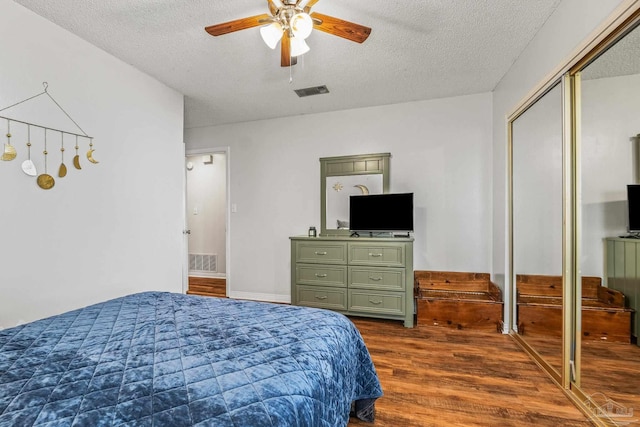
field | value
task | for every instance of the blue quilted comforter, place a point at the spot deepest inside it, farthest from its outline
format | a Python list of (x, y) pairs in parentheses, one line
[(163, 359)]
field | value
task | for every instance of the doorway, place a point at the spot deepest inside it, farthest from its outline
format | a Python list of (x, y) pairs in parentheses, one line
[(207, 219)]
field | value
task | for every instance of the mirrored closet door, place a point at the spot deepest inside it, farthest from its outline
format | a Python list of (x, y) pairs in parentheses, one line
[(537, 226), (574, 240), (608, 105)]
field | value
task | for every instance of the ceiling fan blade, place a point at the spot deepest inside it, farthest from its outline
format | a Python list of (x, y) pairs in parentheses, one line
[(238, 24), (285, 52), (341, 28), (273, 7)]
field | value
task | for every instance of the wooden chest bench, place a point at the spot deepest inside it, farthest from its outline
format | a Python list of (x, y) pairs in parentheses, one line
[(539, 300), (458, 299)]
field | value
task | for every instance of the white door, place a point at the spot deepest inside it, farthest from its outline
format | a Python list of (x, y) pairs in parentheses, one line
[(207, 215)]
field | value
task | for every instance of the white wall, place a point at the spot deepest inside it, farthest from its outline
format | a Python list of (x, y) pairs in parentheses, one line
[(109, 229), (440, 150), (207, 207), (565, 29)]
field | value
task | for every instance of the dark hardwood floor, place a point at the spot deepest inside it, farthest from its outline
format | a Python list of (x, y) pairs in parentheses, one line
[(207, 286), (435, 376), (610, 368)]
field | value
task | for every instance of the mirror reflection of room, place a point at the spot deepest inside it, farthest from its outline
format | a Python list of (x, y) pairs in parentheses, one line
[(537, 225), (340, 188), (610, 249)]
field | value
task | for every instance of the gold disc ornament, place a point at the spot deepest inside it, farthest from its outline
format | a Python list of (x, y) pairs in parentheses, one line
[(45, 181)]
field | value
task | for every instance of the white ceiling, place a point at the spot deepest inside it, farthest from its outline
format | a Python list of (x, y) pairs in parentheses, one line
[(417, 50)]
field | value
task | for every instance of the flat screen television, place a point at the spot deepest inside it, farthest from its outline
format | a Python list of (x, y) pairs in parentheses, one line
[(375, 213), (633, 208)]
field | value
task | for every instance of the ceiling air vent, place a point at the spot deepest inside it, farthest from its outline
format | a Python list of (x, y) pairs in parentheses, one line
[(316, 90)]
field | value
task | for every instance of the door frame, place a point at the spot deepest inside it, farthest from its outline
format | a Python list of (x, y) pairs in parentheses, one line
[(185, 275)]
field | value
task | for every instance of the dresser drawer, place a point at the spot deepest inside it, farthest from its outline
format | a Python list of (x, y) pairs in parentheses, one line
[(321, 252), (387, 254), (322, 297), (363, 276), (376, 278), (376, 302), (324, 275)]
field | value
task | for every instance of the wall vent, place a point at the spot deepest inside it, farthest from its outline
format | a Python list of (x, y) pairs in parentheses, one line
[(203, 263), (309, 91)]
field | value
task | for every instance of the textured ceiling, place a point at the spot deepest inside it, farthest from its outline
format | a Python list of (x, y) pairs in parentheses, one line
[(417, 50), (622, 59)]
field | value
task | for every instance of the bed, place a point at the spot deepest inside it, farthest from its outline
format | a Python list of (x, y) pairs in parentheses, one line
[(166, 359)]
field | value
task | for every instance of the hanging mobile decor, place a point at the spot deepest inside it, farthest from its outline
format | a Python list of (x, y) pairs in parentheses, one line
[(90, 152), (9, 150), (45, 181), (27, 166), (62, 172), (76, 158)]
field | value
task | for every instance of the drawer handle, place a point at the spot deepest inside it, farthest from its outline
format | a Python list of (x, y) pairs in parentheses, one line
[(324, 297), (321, 275), (375, 255), (321, 253), (376, 279), (375, 302)]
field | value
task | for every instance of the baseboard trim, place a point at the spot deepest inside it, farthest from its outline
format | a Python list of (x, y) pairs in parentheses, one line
[(282, 299), (206, 275)]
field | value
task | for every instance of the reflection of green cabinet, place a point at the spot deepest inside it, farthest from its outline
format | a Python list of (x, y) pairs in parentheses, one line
[(623, 273), (370, 277)]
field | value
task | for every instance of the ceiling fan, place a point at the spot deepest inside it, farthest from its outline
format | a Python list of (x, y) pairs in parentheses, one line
[(290, 23)]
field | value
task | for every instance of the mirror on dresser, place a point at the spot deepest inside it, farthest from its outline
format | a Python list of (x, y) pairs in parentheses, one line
[(537, 183), (608, 103), (341, 177)]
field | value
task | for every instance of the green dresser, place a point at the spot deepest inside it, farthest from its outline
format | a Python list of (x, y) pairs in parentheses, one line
[(623, 274), (371, 277)]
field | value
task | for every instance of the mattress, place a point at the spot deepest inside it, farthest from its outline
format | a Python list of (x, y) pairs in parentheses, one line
[(165, 359)]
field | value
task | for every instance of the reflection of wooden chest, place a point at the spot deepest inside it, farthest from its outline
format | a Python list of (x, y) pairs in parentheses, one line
[(604, 316), (458, 300)]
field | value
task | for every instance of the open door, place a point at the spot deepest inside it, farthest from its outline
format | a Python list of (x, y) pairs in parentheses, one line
[(206, 230)]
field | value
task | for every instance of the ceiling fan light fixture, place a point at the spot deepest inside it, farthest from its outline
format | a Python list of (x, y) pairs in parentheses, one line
[(271, 34), (301, 25), (292, 16), (299, 46)]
